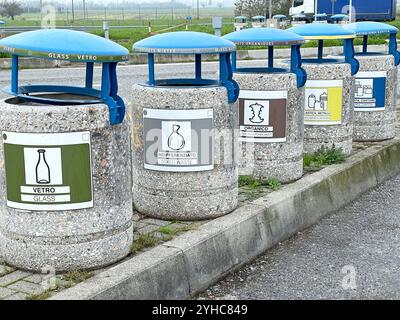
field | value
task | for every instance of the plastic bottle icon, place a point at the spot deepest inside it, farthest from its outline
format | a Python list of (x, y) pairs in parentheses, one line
[(176, 141), (324, 101), (42, 169)]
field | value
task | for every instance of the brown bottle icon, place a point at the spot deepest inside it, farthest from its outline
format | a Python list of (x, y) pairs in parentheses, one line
[(42, 169)]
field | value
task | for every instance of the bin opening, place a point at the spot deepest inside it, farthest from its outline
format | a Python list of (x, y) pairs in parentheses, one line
[(53, 98), (262, 70), (324, 60), (188, 83)]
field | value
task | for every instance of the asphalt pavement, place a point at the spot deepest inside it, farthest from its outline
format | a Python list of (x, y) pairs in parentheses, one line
[(353, 254), (127, 75)]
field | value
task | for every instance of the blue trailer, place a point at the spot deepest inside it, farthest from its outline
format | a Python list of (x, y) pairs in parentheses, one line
[(373, 10)]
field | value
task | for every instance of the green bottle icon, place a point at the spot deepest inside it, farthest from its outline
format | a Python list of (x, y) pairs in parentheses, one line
[(42, 169)]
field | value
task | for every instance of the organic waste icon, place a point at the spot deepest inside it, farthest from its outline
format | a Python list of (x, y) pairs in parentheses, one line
[(42, 169), (176, 141), (256, 109)]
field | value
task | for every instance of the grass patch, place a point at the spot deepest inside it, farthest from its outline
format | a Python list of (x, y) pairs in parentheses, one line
[(274, 184), (324, 157), (170, 231), (77, 276), (250, 183), (144, 241), (41, 296), (167, 230)]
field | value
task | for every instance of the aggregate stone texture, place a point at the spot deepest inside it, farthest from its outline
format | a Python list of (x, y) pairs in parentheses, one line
[(378, 125), (78, 239), (340, 136), (284, 160), (191, 195)]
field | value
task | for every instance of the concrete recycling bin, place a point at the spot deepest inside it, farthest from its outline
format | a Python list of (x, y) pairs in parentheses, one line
[(375, 101), (329, 96), (184, 165), (65, 163), (271, 108)]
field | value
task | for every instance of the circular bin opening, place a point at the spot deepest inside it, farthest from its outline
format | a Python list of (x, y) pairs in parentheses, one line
[(44, 99)]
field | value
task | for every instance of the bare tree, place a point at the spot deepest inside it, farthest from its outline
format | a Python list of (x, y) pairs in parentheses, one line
[(10, 8), (252, 8)]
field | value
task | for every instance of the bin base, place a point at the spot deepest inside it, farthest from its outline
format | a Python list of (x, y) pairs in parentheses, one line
[(313, 145), (286, 172), (183, 205), (41, 255), (374, 133)]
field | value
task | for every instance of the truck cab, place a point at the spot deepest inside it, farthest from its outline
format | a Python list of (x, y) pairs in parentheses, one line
[(302, 6)]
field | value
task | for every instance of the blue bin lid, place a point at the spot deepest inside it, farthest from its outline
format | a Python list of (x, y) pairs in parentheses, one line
[(258, 18), (371, 28), (319, 31), (240, 18), (264, 36), (184, 42), (320, 15), (340, 16), (61, 44), (2, 22), (279, 16), (299, 15)]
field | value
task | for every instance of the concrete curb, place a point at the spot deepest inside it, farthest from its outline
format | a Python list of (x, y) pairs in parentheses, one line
[(189, 264)]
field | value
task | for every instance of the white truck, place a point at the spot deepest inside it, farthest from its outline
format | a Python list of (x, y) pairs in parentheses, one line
[(375, 10)]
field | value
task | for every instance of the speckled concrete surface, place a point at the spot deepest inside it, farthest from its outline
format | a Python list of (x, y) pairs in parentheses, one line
[(283, 160), (378, 125), (79, 239), (185, 195), (339, 135)]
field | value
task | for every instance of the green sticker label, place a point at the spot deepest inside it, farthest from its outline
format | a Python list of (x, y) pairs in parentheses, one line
[(48, 172)]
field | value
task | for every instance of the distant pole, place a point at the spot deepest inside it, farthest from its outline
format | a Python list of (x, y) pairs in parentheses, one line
[(351, 11), (140, 14), (123, 14), (316, 10), (270, 9), (73, 12), (198, 9), (105, 13), (84, 10), (172, 9), (41, 6)]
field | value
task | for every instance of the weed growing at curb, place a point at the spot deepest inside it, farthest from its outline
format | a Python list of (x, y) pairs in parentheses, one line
[(41, 296), (250, 183), (77, 276), (173, 231), (274, 184), (167, 230), (144, 241), (324, 157)]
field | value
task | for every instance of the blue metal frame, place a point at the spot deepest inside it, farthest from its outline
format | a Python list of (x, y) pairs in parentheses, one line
[(108, 93), (225, 80), (295, 65), (349, 56), (392, 48)]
